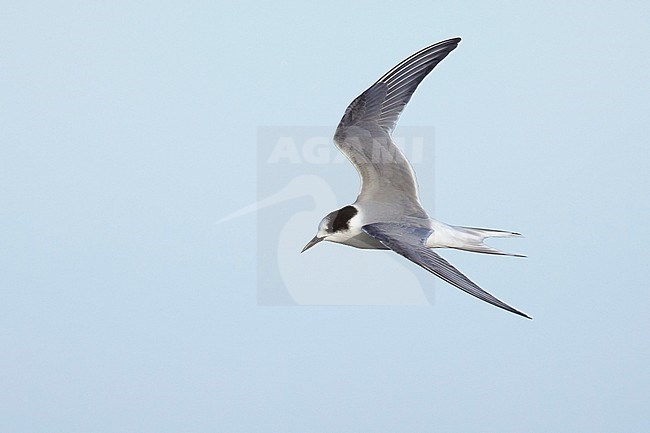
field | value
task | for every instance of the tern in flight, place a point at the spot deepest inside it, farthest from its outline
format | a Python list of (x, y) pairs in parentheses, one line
[(387, 213)]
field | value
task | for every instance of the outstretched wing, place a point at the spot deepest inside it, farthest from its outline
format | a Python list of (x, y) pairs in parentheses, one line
[(363, 134), (409, 242)]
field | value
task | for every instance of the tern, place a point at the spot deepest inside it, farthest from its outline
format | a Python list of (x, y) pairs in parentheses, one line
[(387, 213)]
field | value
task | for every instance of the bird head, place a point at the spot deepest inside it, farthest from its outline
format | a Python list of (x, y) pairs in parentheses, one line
[(333, 225)]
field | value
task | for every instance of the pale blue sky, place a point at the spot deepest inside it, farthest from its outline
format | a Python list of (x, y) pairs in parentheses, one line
[(129, 128)]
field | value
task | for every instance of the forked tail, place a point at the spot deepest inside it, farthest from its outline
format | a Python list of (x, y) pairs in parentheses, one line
[(474, 242)]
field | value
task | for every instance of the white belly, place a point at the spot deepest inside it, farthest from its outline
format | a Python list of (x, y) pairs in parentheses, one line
[(357, 238)]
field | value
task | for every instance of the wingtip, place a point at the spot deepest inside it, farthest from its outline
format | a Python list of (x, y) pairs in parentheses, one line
[(456, 40), (523, 314)]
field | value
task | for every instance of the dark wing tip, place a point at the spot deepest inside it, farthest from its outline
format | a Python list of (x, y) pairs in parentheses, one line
[(522, 314), (450, 41)]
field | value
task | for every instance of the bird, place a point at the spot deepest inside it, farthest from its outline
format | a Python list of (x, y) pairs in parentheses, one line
[(387, 214)]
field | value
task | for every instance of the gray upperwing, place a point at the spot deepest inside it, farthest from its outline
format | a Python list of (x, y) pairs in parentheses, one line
[(363, 134), (386, 175), (408, 241), (385, 100)]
